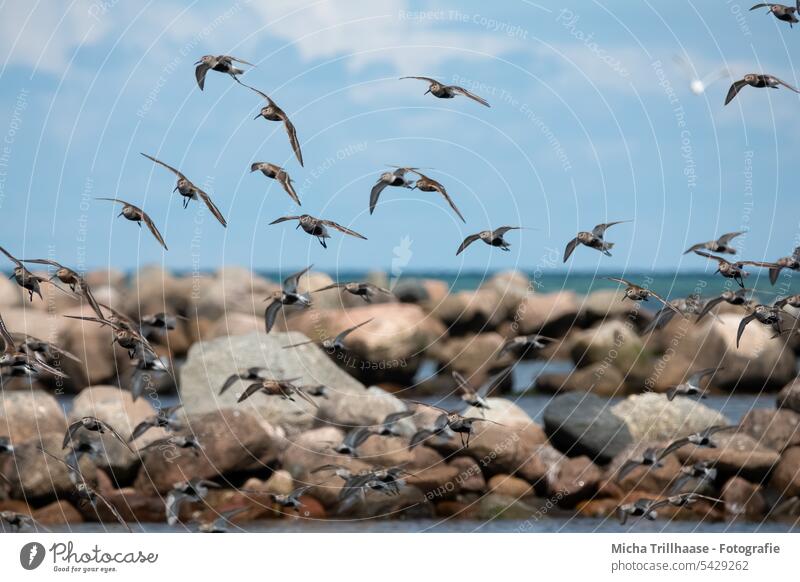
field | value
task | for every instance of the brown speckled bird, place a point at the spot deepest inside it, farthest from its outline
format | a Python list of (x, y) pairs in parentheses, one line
[(271, 112)]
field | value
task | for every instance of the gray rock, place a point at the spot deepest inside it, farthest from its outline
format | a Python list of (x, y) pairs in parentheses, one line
[(25, 414), (210, 363), (652, 417), (363, 408), (789, 396), (583, 424)]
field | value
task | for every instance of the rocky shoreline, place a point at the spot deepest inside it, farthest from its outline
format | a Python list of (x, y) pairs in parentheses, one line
[(512, 468)]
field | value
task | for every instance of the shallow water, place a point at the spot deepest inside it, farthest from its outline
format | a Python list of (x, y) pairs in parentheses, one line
[(546, 525)]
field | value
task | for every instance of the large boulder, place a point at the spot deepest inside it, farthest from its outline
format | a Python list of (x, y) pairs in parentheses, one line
[(549, 313), (390, 346), (786, 477), (652, 417), (9, 294), (232, 441), (474, 356), (210, 363), (363, 408), (761, 362), (232, 290), (583, 424), (117, 408), (613, 343), (743, 499), (775, 429), (25, 414), (478, 310), (599, 378), (789, 396), (609, 304)]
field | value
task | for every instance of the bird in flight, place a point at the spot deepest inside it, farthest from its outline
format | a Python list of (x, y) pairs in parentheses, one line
[(364, 290), (219, 63), (72, 279), (736, 297), (396, 178), (189, 191), (781, 11), (759, 81), (427, 184), (719, 245), (490, 237), (24, 278), (333, 344), (318, 227), (137, 215), (287, 295), (636, 292), (734, 270), (279, 174), (442, 91), (792, 263), (271, 112), (593, 240), (692, 385), (646, 508)]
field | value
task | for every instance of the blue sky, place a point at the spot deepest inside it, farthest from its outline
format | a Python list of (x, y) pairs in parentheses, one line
[(592, 120)]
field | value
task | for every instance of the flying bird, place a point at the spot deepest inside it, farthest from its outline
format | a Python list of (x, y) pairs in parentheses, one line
[(719, 245), (92, 424), (189, 191), (700, 439), (781, 11), (277, 173), (253, 374), (442, 91), (219, 63), (692, 385), (701, 470), (271, 112), (396, 178), (291, 499), (766, 314), (490, 237), (286, 389), (759, 81), (736, 297), (734, 270), (647, 508), (686, 306), (16, 362), (388, 427), (287, 295), (523, 343), (318, 227), (364, 290), (336, 343), (24, 278), (792, 263), (651, 458), (593, 240), (427, 184), (137, 215), (194, 490), (636, 292), (477, 398), (72, 279), (164, 418), (16, 522)]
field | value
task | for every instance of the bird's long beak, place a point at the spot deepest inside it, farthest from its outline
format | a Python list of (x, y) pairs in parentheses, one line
[(121, 213), (257, 116), (426, 92), (298, 226), (198, 62), (175, 188)]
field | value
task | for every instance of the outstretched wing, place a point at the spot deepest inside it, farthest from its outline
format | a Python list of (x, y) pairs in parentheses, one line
[(626, 468), (734, 90), (428, 79), (466, 242), (785, 84), (441, 190), (284, 219), (600, 229), (700, 374), (743, 324), (153, 230), (10, 256), (290, 283), (674, 446), (621, 280), (465, 93), (167, 166), (264, 95), (292, 132), (200, 74), (710, 256), (343, 229), (709, 305), (570, 248), (375, 193), (8, 341), (214, 210), (288, 187), (271, 314), (728, 236), (348, 331)]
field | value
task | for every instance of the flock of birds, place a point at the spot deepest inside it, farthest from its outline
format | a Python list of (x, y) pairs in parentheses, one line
[(30, 357)]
